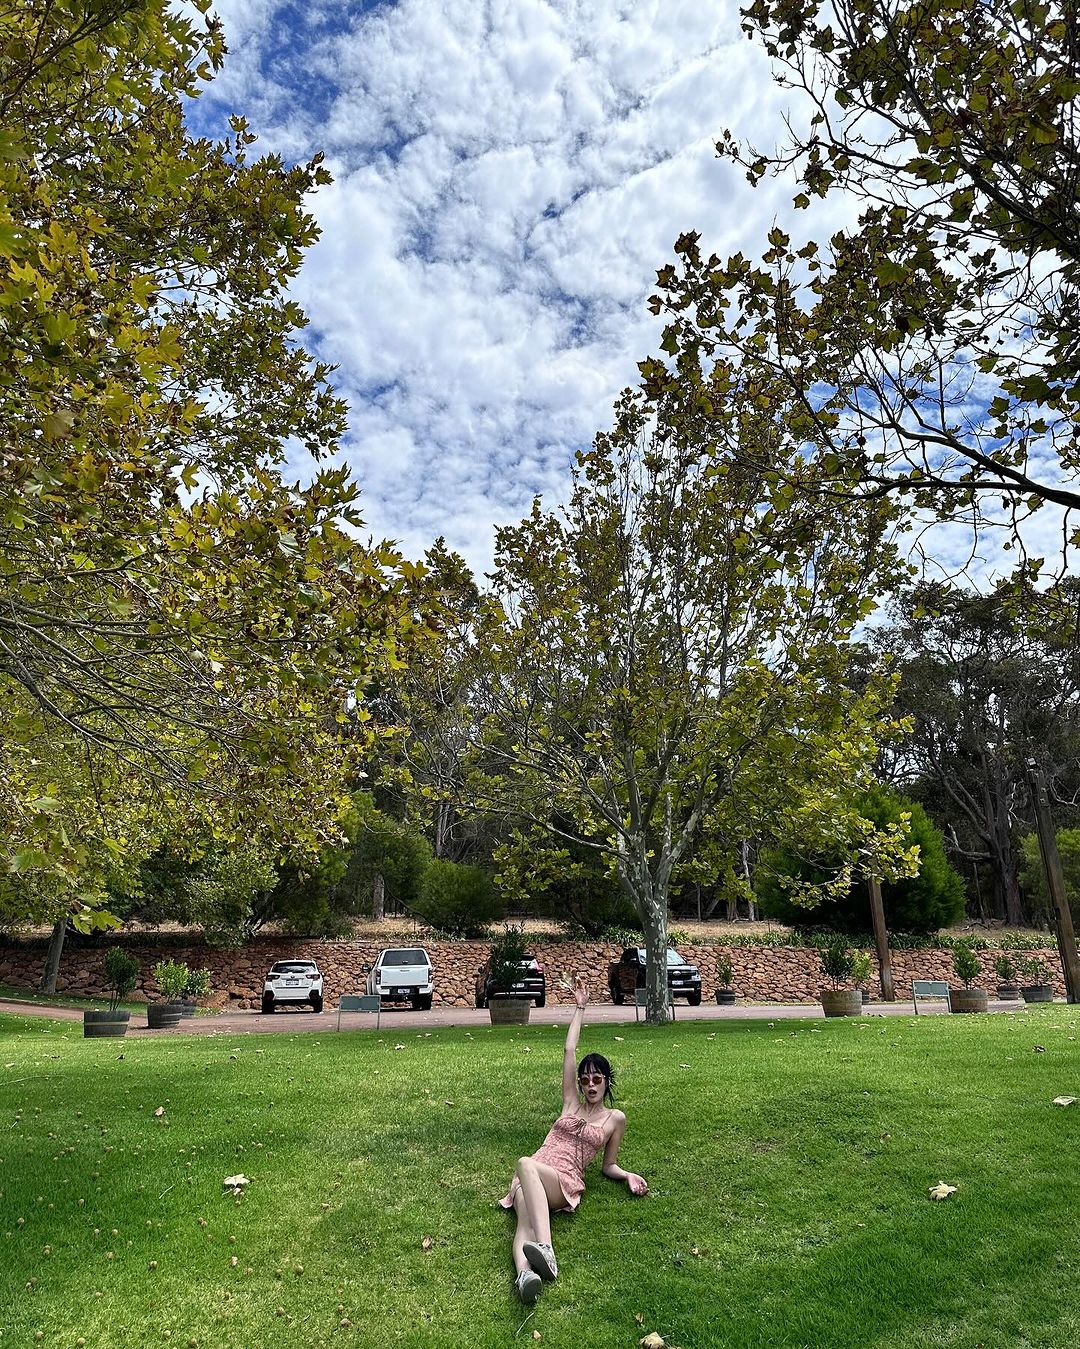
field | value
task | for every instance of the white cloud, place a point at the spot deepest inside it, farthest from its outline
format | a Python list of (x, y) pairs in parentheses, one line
[(508, 178)]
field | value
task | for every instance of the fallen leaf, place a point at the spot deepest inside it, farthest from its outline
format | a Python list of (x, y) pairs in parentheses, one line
[(537, 1336), (941, 1190), (684, 1065), (694, 1251), (159, 1111), (652, 1341), (399, 1046), (639, 1317), (236, 1183), (1038, 1049), (619, 1039), (425, 1243), (1064, 1100)]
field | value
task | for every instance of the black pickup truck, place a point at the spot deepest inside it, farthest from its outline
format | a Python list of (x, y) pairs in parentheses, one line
[(627, 974)]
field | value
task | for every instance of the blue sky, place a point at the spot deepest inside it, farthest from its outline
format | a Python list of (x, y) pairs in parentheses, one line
[(509, 175)]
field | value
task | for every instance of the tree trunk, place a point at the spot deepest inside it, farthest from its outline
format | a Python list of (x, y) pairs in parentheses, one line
[(378, 897), (52, 957), (881, 939)]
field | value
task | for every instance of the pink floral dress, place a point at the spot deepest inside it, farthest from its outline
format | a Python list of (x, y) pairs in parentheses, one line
[(570, 1146)]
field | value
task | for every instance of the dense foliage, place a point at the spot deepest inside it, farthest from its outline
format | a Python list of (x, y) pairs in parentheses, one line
[(182, 633), (932, 899)]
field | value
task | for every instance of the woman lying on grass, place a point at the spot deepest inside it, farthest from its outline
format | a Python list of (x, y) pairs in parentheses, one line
[(552, 1180)]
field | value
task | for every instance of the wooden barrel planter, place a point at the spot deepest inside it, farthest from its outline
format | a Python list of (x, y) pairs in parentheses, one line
[(105, 1025), (725, 997), (163, 1015), (1038, 993), (967, 999), (509, 1011), (1008, 992), (841, 1001)]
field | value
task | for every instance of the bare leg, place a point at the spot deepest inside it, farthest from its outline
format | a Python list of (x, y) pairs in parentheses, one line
[(540, 1193), (522, 1234)]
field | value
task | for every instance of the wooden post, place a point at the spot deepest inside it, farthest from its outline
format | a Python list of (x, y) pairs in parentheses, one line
[(1055, 879), (881, 938)]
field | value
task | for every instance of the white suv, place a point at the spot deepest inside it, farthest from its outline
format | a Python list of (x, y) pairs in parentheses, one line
[(293, 981)]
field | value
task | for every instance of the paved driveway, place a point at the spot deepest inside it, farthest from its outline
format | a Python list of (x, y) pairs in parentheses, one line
[(291, 1022)]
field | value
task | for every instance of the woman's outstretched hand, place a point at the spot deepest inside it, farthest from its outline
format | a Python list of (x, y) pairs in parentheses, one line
[(581, 991), (638, 1184)]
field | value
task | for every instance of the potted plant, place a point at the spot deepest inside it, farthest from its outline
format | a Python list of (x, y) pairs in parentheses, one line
[(508, 954), (121, 970), (197, 986), (1008, 990), (725, 993), (172, 978), (862, 970), (967, 967), (1037, 986), (836, 962)]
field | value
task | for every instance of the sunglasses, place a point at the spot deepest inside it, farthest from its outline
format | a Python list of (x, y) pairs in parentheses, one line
[(592, 1079)]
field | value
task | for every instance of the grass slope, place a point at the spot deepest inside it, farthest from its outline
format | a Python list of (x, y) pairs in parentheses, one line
[(789, 1166)]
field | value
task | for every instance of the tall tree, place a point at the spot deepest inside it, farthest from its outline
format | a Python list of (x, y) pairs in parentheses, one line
[(181, 631), (670, 649), (931, 350), (987, 682)]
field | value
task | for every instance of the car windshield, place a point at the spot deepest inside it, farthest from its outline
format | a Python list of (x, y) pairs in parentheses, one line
[(411, 956), (293, 967), (673, 957)]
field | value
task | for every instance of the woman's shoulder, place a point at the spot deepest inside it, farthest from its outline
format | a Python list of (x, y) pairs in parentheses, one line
[(615, 1120)]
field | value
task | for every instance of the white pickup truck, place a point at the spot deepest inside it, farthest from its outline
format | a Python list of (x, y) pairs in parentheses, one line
[(402, 974)]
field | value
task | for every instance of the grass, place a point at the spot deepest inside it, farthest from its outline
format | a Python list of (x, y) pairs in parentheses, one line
[(17, 993), (789, 1166)]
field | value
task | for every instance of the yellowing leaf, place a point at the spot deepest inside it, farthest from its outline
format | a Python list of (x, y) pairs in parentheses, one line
[(941, 1190)]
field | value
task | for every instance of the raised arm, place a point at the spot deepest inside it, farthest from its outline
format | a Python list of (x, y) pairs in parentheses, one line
[(569, 1067)]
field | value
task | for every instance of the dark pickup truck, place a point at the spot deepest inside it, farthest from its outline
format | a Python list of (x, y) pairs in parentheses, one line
[(627, 974)]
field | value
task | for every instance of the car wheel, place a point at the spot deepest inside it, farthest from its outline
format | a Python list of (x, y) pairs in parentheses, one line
[(617, 996), (316, 1002), (267, 1005), (425, 1002), (479, 1000), (694, 999), (541, 1000)]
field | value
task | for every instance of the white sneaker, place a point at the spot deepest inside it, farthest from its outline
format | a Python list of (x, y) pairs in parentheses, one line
[(542, 1259), (528, 1286)]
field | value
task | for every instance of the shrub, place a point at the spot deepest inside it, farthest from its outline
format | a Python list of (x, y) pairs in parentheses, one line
[(172, 977), (198, 984), (508, 951), (862, 969), (724, 972), (1005, 968), (965, 963), (458, 899), (933, 899), (837, 960), (121, 972), (1035, 971)]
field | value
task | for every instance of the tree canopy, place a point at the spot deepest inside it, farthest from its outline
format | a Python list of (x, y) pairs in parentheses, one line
[(182, 632), (930, 351)]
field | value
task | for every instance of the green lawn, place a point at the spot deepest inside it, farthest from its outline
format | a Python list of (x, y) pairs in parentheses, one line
[(789, 1166)]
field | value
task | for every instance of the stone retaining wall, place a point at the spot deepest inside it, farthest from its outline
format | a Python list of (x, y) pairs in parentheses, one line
[(783, 974)]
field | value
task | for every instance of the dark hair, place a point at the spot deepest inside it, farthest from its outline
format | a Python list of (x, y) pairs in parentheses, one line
[(596, 1063)]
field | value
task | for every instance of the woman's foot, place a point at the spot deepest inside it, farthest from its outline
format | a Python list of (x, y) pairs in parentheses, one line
[(542, 1258), (528, 1286)]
